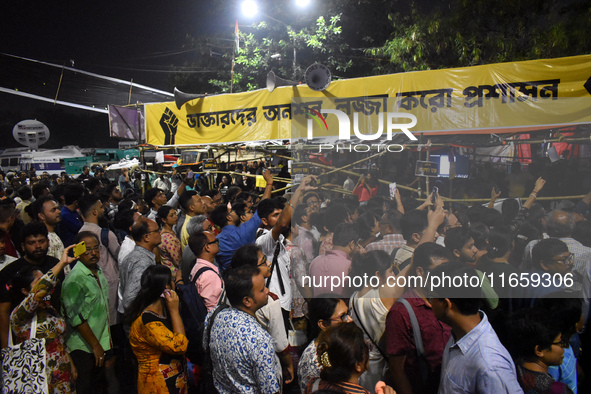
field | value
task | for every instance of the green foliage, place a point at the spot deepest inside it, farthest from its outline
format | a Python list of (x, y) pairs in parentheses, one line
[(357, 38), (269, 48), (266, 46), (471, 32)]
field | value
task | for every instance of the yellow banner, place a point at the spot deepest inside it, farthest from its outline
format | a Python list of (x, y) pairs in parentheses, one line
[(520, 95)]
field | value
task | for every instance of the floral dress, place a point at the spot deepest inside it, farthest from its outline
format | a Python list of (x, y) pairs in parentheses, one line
[(51, 326), (308, 367), (160, 355), (170, 252)]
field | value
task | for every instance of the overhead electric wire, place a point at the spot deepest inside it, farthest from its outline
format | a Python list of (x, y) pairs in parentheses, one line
[(122, 81), (53, 101)]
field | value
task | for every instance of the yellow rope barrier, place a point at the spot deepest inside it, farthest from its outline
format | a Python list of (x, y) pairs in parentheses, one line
[(343, 191)]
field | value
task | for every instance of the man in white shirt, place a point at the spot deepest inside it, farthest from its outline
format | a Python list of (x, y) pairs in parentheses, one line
[(273, 242), (162, 183)]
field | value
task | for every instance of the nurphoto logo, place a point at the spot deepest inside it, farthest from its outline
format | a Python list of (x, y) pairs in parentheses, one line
[(344, 119), (345, 124)]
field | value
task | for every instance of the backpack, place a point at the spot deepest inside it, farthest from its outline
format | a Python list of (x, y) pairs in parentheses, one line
[(105, 241), (416, 331), (205, 383), (193, 312)]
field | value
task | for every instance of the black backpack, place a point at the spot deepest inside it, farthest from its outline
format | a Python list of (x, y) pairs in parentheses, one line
[(205, 383), (193, 312)]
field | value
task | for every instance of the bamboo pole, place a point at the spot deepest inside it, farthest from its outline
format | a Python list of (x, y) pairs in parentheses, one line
[(357, 162), (350, 173), (59, 85), (275, 178), (129, 96), (357, 174), (521, 198), (408, 145), (336, 190), (343, 191)]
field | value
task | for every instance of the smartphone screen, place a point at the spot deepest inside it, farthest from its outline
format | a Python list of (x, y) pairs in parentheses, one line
[(434, 196), (392, 189)]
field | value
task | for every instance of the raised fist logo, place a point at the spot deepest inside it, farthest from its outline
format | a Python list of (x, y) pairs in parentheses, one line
[(169, 123)]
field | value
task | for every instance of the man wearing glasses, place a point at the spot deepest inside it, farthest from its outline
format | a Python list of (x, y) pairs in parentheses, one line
[(561, 224), (146, 234), (551, 257), (312, 201), (85, 304), (209, 284)]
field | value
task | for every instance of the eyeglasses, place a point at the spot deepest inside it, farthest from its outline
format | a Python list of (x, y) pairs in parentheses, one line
[(566, 261), (563, 343), (153, 231), (91, 250), (264, 261), (344, 317), (217, 241), (313, 202)]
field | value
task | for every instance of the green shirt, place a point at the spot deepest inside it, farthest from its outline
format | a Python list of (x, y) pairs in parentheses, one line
[(83, 300)]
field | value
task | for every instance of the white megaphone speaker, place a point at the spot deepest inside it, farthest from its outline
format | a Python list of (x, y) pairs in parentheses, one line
[(273, 81), (181, 98), (318, 77)]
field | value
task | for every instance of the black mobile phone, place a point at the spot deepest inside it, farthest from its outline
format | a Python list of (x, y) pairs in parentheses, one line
[(434, 196)]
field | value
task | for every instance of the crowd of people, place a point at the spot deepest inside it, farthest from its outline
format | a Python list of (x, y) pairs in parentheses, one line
[(308, 291)]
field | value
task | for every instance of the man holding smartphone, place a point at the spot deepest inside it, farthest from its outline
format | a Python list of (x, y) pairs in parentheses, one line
[(85, 305)]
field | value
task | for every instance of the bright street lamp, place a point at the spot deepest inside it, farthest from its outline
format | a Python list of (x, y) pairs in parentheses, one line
[(249, 8)]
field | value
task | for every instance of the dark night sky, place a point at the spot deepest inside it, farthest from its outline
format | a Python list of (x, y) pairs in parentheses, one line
[(114, 38), (121, 39)]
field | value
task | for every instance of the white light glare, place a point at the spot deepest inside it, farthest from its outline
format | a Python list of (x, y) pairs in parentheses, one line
[(249, 8), (302, 3)]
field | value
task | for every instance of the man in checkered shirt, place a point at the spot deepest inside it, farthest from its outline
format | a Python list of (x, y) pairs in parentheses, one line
[(390, 229)]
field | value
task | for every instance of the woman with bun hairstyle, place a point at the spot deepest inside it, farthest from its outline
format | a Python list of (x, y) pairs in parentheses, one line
[(323, 313), (343, 355)]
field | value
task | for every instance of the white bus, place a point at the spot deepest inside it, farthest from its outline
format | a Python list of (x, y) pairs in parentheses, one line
[(49, 160)]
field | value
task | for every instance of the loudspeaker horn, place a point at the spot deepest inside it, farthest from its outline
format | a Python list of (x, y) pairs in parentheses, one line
[(181, 98), (318, 77), (273, 81)]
